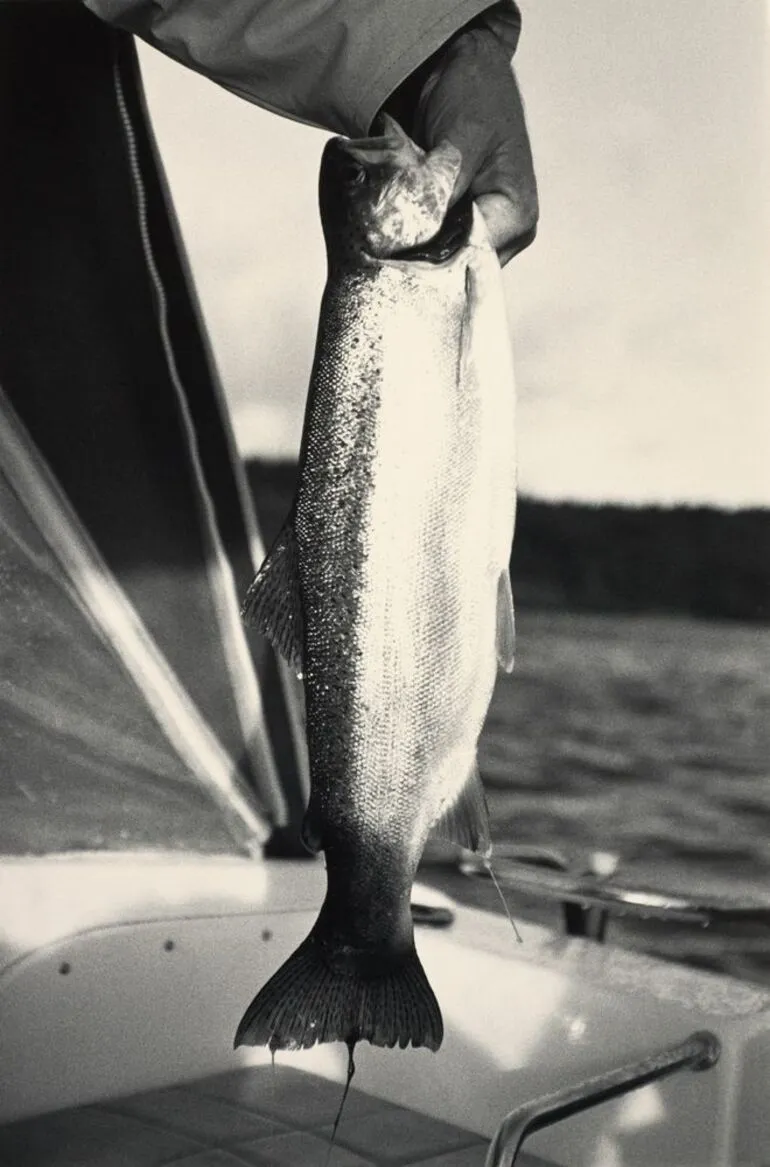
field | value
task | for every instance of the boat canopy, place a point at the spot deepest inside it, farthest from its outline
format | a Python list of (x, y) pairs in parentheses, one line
[(136, 711)]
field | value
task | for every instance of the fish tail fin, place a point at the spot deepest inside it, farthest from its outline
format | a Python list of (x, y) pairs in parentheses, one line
[(351, 997)]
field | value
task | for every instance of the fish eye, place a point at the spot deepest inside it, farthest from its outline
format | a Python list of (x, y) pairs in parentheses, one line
[(353, 172)]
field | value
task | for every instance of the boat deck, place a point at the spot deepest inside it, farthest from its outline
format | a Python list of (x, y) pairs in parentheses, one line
[(254, 1117)]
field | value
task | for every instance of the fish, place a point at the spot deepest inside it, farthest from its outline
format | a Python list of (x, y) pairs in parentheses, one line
[(388, 587)]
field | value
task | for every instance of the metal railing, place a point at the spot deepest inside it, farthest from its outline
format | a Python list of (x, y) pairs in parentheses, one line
[(699, 1052), (588, 898)]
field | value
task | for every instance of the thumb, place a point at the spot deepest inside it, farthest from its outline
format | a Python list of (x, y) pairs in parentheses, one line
[(509, 230)]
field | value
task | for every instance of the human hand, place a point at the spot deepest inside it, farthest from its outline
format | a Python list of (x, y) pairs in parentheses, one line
[(467, 94)]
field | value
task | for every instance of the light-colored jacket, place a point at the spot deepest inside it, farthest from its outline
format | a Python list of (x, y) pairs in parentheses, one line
[(330, 63)]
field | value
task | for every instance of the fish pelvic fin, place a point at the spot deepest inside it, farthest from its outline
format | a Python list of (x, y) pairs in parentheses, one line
[(466, 820), (345, 995), (273, 603), (506, 626)]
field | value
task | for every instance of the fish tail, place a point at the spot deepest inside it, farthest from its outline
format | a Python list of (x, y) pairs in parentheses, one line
[(349, 996)]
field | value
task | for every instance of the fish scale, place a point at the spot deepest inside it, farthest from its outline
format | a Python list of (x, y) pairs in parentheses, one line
[(399, 541)]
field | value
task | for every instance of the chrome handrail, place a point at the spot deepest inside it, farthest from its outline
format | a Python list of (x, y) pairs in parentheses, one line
[(699, 1052)]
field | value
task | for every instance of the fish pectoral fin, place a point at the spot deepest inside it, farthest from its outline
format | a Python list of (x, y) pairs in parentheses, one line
[(466, 820), (273, 603), (506, 628)]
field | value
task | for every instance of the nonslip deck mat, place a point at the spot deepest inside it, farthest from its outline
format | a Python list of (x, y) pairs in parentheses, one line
[(258, 1117)]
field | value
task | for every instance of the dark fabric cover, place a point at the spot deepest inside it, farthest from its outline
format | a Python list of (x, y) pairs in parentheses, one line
[(81, 358)]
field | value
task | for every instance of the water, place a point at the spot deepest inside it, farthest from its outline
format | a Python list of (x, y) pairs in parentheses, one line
[(647, 738), (646, 735)]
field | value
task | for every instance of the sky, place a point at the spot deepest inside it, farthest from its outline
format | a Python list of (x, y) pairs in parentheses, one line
[(638, 317)]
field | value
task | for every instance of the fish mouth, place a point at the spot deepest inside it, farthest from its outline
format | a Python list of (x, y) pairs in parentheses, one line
[(451, 237)]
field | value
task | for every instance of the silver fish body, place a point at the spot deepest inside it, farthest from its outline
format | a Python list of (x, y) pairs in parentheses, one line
[(388, 587)]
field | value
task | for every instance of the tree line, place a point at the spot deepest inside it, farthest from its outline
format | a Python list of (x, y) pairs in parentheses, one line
[(701, 561)]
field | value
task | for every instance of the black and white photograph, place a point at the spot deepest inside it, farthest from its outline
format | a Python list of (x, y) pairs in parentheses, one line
[(384, 583)]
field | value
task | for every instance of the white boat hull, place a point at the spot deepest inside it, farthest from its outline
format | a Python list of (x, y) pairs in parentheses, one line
[(121, 974)]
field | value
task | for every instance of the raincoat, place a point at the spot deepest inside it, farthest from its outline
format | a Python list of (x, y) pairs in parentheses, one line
[(330, 63)]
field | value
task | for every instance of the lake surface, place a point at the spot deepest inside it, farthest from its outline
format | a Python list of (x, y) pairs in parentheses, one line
[(647, 738)]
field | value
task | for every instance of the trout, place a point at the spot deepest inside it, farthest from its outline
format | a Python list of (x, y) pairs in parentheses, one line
[(388, 587)]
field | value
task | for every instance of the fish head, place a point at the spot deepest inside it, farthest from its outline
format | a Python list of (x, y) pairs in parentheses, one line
[(383, 195)]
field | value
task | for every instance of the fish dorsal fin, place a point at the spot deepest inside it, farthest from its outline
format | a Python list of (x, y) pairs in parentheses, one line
[(506, 629), (273, 603), (466, 820)]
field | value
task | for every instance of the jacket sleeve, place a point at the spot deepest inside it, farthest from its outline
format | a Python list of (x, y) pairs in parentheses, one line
[(329, 63)]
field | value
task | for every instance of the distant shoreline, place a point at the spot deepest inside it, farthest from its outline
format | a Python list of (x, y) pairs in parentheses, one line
[(688, 560)]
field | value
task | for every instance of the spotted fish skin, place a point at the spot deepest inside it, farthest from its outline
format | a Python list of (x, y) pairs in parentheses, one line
[(400, 537)]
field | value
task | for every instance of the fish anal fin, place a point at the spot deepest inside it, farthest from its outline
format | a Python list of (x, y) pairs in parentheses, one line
[(311, 833), (273, 603), (506, 628), (466, 820)]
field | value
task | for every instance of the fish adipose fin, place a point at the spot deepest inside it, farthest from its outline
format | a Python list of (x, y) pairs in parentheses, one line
[(311, 834), (349, 996), (273, 603), (506, 628), (466, 821)]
